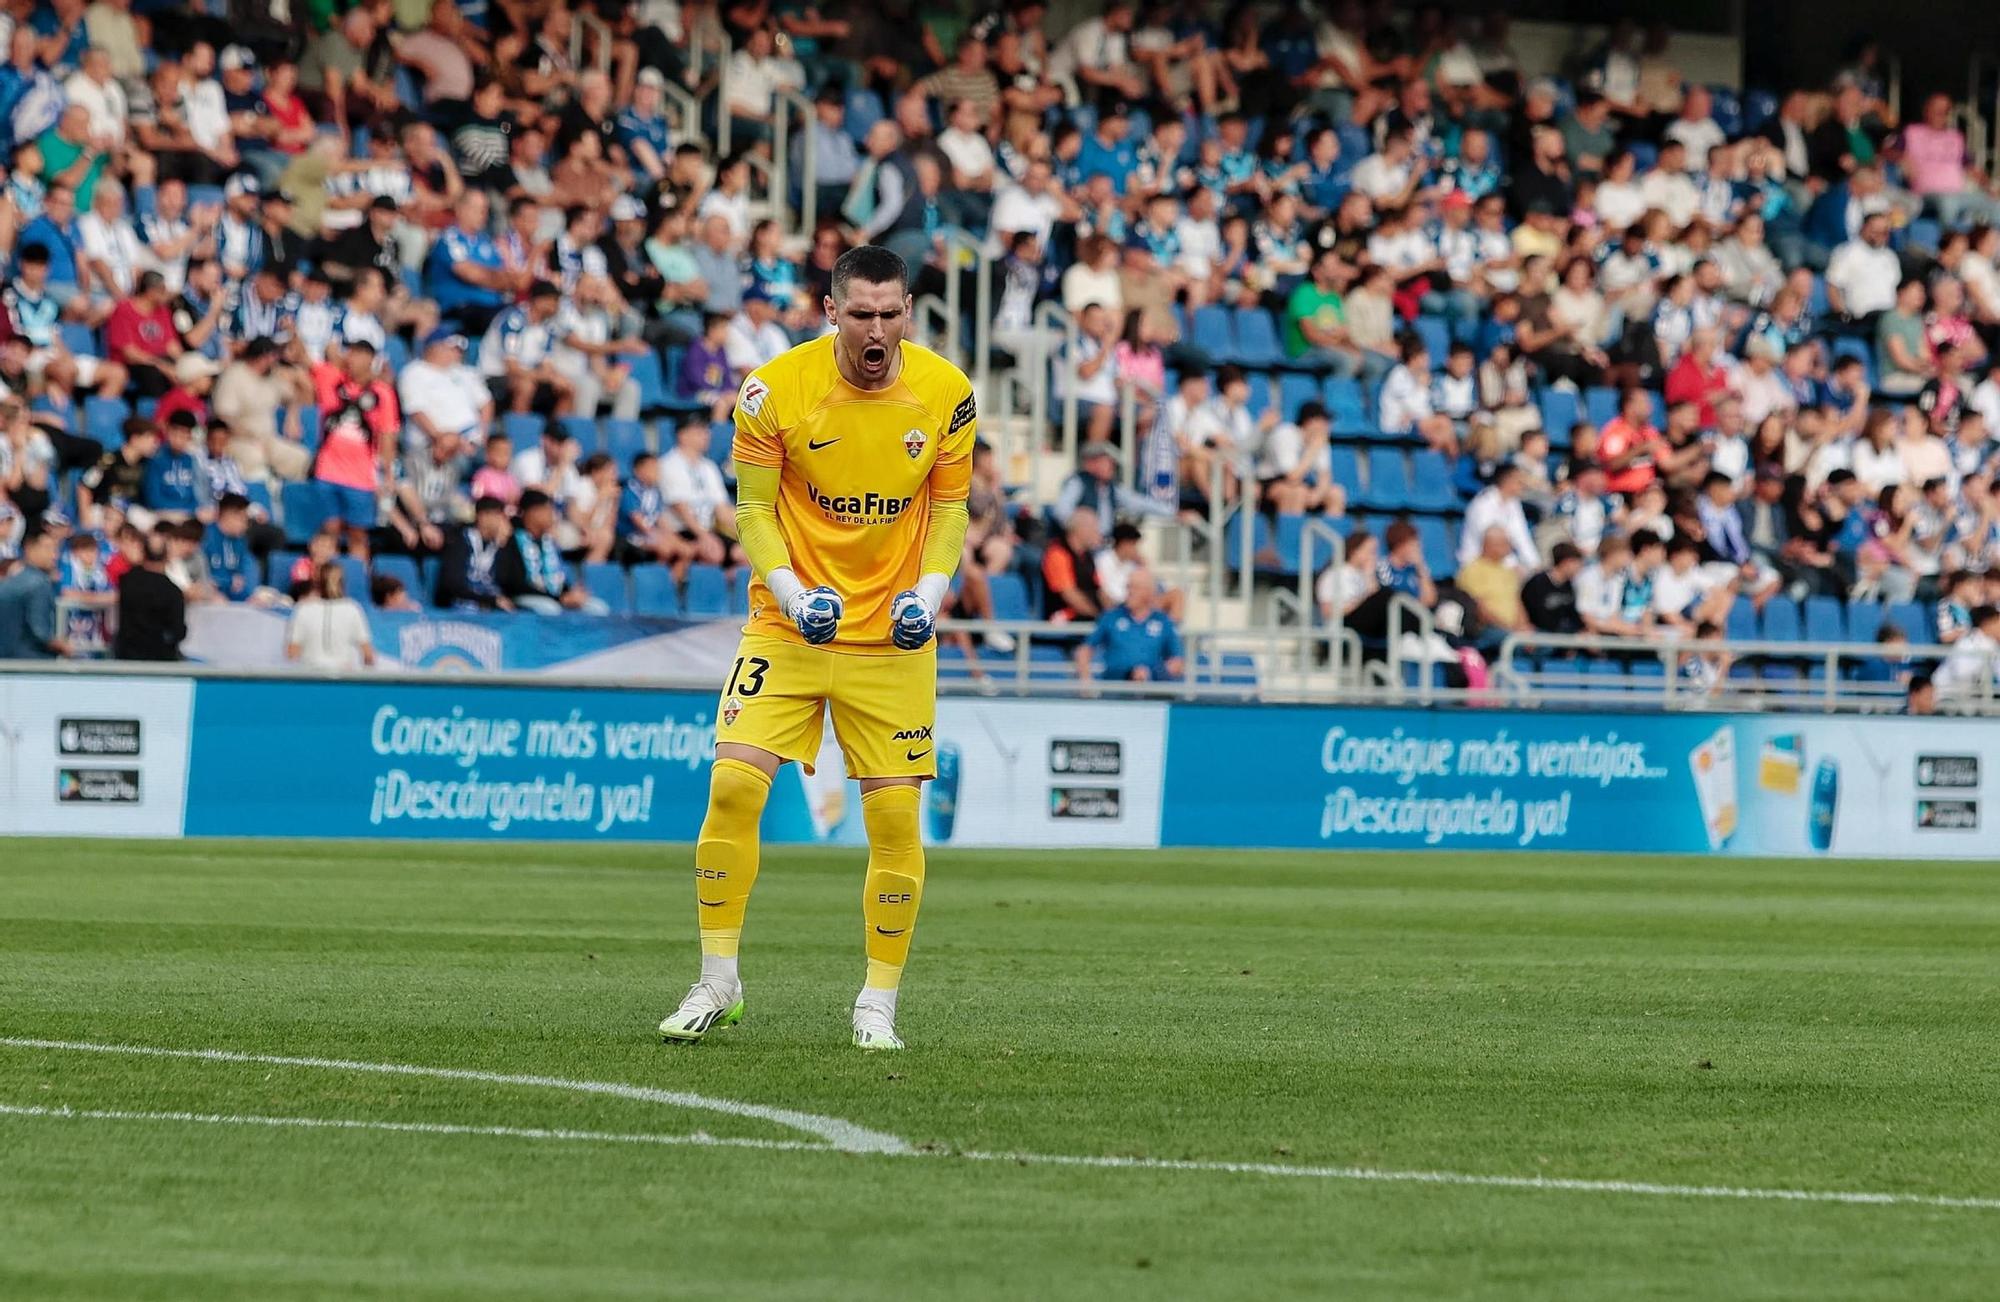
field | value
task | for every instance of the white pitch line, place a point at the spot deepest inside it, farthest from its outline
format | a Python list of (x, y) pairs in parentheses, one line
[(842, 1135), (698, 1139), (1366, 1175)]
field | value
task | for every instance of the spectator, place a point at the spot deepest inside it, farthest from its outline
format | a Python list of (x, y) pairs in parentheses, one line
[(386, 592), (1862, 278), (692, 490), (1295, 466), (1920, 698), (754, 336), (232, 567), (328, 629), (1903, 362), (1137, 641), (1685, 595), (515, 356), (463, 273), (1628, 446), (1094, 488), (1406, 402), (1933, 161), (174, 487), (440, 395), (152, 612), (114, 486), (593, 351), (1972, 670), (530, 570), (359, 432), (28, 629), (1550, 596), (141, 336), (1493, 580), (1069, 578), (468, 575), (642, 512), (1499, 507), (249, 394)]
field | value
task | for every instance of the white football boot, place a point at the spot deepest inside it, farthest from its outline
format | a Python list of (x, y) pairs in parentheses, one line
[(875, 1027), (709, 1006)]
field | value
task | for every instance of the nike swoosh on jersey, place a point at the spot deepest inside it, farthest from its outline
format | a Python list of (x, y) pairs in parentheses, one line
[(884, 931), (914, 755), (711, 904), (812, 446)]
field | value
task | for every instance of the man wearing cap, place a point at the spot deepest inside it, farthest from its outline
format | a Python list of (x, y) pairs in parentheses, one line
[(642, 126), (1095, 488), (284, 247), (514, 356), (442, 395), (754, 336), (371, 243), (252, 128), (194, 378), (239, 235)]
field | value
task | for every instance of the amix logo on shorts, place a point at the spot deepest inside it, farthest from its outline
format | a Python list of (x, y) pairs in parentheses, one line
[(912, 734), (865, 508)]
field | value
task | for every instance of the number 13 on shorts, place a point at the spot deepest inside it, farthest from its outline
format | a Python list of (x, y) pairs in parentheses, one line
[(884, 706)]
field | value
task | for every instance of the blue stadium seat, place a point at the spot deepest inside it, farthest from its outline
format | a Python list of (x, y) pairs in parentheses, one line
[(1010, 597), (707, 592), (1600, 404), (1558, 412), (1439, 555), (79, 339), (1917, 618), (1261, 396), (1257, 339), (357, 577), (1864, 620), (1825, 621), (404, 570), (1606, 676), (104, 420), (1258, 526), (624, 440), (1437, 338), (1212, 333), (721, 441), (1288, 537), (278, 567), (1388, 480), (1348, 406), (651, 377), (1923, 234), (1741, 625), (304, 511), (653, 591), (1781, 620), (1294, 392), (739, 591), (1346, 471), (308, 426), (260, 496), (524, 428), (1759, 107), (864, 110), (584, 430), (606, 581), (1430, 482)]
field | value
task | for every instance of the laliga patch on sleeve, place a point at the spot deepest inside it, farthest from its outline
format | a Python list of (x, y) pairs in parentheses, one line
[(962, 416), (751, 399)]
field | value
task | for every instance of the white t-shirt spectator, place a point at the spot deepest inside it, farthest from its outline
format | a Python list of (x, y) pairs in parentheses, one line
[(1489, 509), (1672, 193), (449, 397), (1378, 178), (329, 634), (206, 113), (116, 244), (1083, 285), (1282, 450), (1699, 137), (734, 207), (1619, 203), (1101, 388), (1974, 660), (754, 83), (1674, 593), (1015, 210), (1878, 470), (692, 482), (1090, 44), (1201, 245), (748, 346), (970, 153), (106, 105), (1405, 401), (1598, 594), (1865, 276)]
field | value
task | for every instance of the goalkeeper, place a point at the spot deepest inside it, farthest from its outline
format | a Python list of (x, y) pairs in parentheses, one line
[(854, 458)]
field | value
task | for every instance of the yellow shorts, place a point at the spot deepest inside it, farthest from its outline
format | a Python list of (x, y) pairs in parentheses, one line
[(884, 706)]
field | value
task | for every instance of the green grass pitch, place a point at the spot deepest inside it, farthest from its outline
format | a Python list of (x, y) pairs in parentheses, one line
[(1815, 1026)]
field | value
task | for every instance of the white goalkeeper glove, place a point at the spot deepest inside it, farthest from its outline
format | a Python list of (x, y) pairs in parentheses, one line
[(913, 613), (815, 612)]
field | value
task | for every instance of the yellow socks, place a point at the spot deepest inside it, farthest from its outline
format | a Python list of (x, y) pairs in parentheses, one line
[(895, 882), (725, 858)]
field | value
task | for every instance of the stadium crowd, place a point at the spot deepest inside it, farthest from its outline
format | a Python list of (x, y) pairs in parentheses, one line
[(389, 289)]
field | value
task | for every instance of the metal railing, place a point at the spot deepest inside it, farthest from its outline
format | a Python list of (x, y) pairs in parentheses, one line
[(1051, 319), (588, 24), (786, 104)]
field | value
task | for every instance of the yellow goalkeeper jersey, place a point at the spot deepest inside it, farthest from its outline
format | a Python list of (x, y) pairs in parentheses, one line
[(859, 469)]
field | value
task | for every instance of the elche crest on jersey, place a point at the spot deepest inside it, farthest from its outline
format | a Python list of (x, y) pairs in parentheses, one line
[(913, 443), (751, 400), (730, 709)]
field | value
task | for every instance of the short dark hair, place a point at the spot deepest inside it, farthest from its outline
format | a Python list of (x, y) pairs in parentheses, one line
[(232, 502), (1564, 552), (489, 506), (1683, 543), (1398, 533), (35, 251), (533, 498), (138, 427), (872, 263), (1982, 614)]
